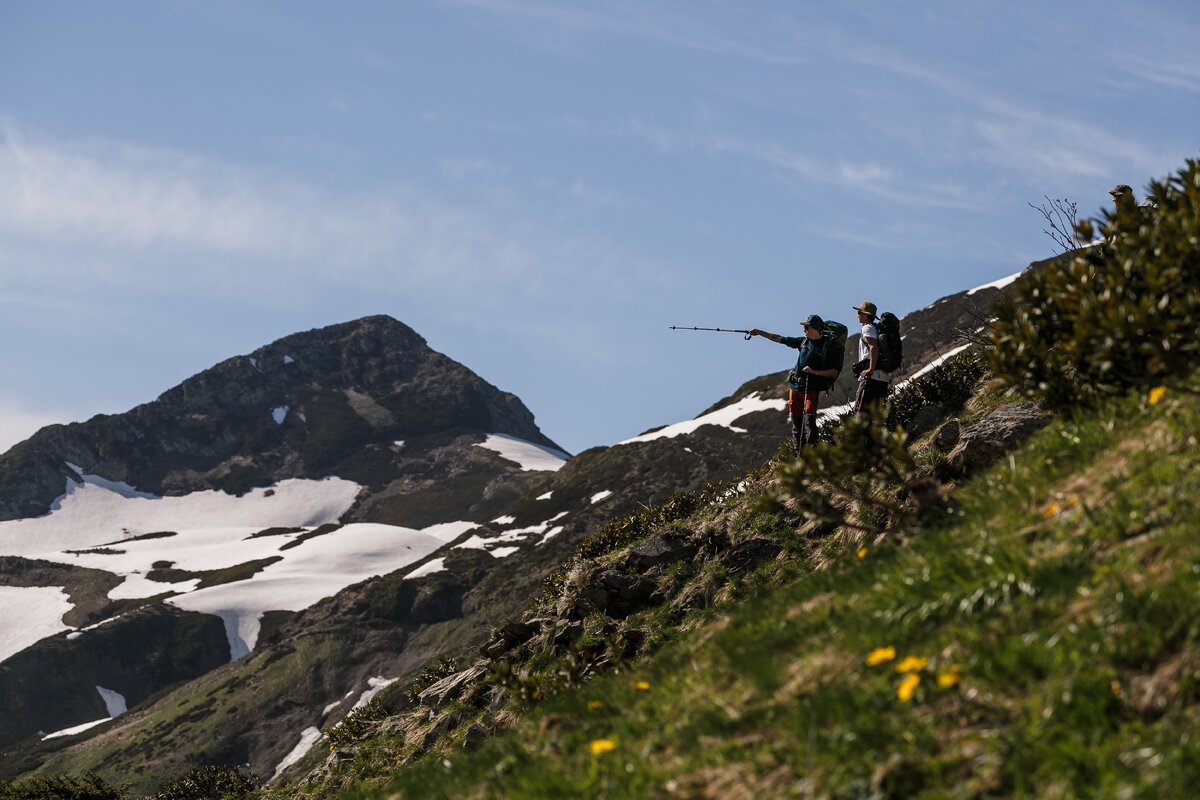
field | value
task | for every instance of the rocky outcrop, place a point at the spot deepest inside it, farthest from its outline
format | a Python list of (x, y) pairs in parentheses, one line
[(998, 433), (53, 684)]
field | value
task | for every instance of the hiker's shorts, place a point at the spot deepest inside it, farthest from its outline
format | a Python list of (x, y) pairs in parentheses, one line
[(870, 392), (801, 403)]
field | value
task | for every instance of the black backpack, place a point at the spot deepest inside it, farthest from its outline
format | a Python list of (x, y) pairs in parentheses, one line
[(834, 335), (891, 349)]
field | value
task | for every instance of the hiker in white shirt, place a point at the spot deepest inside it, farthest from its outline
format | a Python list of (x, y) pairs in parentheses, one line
[(872, 382)]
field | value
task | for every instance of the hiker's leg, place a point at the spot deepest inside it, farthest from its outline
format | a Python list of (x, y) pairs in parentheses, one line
[(810, 418), (796, 417), (870, 396)]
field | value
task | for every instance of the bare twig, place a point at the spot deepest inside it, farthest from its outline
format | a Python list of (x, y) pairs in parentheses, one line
[(1062, 216)]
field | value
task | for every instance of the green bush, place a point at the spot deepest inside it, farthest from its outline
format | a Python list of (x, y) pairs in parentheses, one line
[(1117, 315), (444, 668), (210, 783), (865, 480), (951, 383), (358, 723), (89, 787)]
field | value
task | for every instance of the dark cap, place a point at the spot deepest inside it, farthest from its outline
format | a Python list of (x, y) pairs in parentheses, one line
[(1120, 189), (813, 321), (867, 308)]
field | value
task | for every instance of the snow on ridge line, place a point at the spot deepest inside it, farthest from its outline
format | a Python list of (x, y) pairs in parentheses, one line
[(529, 456), (997, 284), (724, 416)]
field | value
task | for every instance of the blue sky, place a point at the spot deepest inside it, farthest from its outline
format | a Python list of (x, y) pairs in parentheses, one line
[(541, 188)]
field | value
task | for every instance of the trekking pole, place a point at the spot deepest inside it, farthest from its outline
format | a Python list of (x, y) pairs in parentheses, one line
[(718, 330)]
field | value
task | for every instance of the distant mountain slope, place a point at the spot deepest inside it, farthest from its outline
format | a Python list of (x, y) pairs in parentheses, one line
[(255, 488)]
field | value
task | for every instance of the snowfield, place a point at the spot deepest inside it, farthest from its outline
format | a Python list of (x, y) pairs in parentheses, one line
[(97, 524), (529, 456), (30, 615)]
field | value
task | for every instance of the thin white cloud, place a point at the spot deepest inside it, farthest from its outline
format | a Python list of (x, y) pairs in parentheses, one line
[(706, 29)]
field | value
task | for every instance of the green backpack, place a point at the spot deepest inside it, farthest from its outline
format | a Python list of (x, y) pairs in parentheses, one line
[(834, 355)]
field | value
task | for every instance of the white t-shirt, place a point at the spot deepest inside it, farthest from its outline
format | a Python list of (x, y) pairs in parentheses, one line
[(869, 331)]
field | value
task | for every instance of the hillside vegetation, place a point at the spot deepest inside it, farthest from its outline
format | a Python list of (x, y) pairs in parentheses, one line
[(937, 628), (1000, 606)]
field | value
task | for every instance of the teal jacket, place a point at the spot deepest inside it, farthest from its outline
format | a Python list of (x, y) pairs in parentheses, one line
[(812, 354)]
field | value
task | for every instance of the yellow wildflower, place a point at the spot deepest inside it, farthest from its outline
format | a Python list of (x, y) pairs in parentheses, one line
[(949, 678), (1156, 394), (1051, 509), (602, 746), (595, 705), (1116, 688), (908, 686), (880, 655), (642, 686), (912, 664), (862, 552)]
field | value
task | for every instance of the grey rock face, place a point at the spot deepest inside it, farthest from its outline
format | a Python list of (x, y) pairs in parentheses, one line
[(658, 550), (947, 436), (618, 594), (926, 419), (996, 434)]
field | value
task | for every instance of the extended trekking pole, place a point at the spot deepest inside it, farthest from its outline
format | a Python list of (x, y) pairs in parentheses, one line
[(718, 330)]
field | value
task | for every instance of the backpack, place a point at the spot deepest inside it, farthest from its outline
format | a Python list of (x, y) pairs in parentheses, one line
[(891, 349), (833, 354)]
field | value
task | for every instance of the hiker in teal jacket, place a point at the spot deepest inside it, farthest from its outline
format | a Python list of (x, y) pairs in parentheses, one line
[(811, 376)]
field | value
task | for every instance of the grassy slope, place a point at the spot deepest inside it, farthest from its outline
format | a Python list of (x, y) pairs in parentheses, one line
[(1062, 593)]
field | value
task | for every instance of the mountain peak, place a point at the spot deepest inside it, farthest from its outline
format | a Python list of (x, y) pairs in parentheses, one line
[(328, 401)]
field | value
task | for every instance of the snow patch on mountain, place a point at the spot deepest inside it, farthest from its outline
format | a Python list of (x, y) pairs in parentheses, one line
[(30, 615), (377, 685), (530, 456), (318, 568), (96, 522), (99, 512), (724, 416), (428, 568), (998, 284), (76, 729), (114, 703), (308, 737)]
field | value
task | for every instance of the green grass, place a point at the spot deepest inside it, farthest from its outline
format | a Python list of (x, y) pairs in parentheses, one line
[(1062, 588)]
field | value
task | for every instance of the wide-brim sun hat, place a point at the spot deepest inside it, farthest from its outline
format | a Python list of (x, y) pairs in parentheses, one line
[(868, 308)]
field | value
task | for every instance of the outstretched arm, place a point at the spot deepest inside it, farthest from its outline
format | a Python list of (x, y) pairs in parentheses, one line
[(774, 337)]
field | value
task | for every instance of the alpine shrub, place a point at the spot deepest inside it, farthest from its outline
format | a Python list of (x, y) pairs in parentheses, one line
[(210, 783), (89, 787), (430, 675), (358, 723), (950, 383), (1119, 314), (863, 481)]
